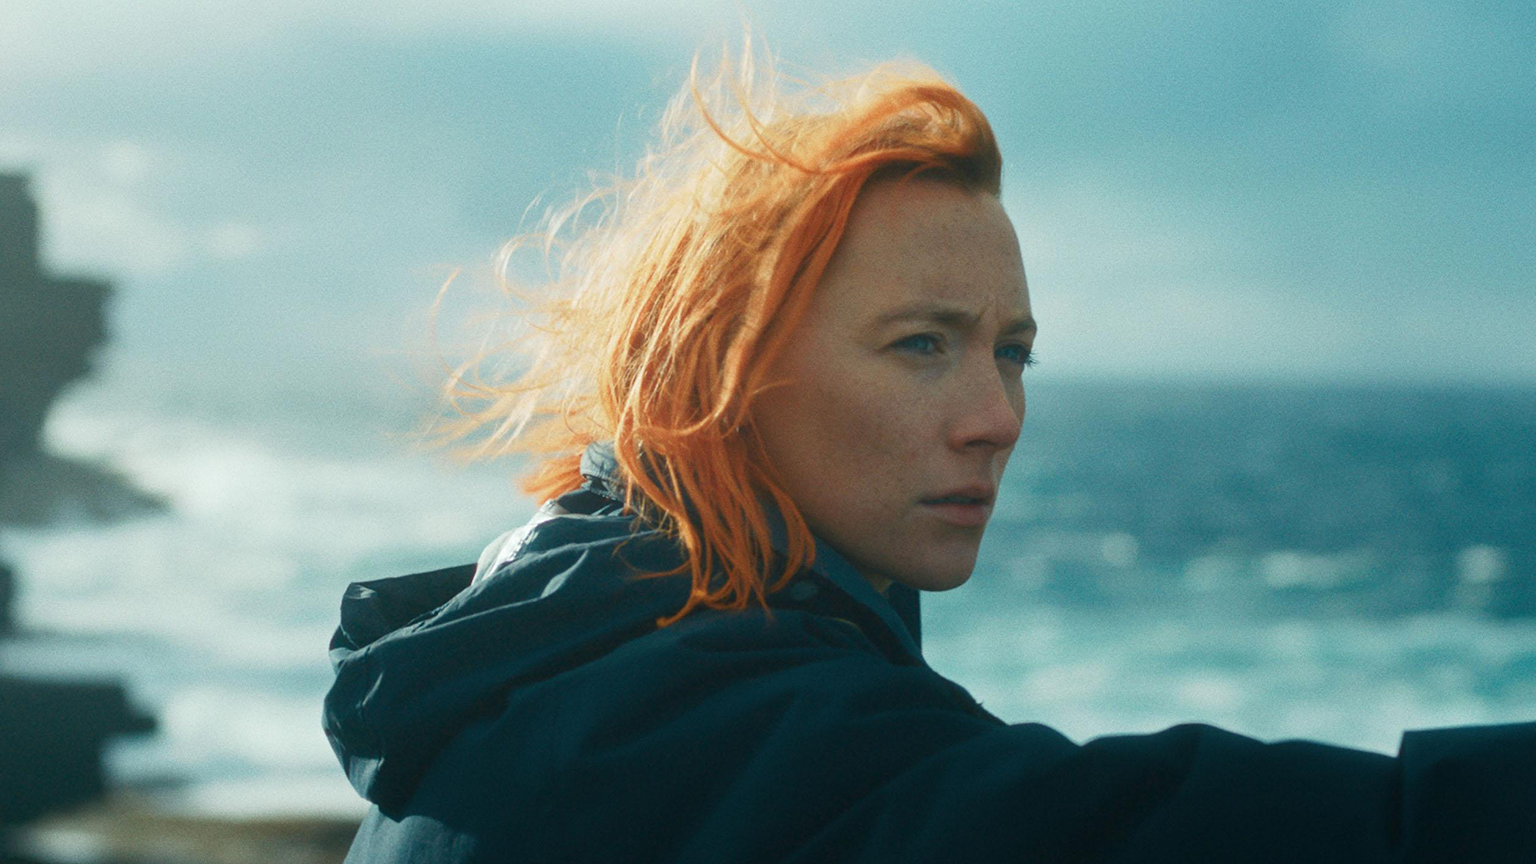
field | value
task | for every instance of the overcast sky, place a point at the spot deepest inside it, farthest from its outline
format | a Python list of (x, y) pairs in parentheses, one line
[(1308, 190)]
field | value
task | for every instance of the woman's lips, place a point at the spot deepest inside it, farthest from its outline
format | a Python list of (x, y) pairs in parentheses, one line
[(956, 513)]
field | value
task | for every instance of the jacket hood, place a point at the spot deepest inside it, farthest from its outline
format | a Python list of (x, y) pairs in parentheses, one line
[(418, 657)]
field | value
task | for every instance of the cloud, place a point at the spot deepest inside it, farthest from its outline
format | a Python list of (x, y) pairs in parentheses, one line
[(1107, 236), (41, 38), (126, 163), (99, 206), (1435, 54), (234, 240), (1190, 167)]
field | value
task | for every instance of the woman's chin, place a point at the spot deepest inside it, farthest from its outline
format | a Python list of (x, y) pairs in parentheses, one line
[(936, 578), (922, 566)]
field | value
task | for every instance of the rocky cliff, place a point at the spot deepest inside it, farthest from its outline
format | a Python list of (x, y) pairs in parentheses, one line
[(52, 732), (49, 327), (50, 330)]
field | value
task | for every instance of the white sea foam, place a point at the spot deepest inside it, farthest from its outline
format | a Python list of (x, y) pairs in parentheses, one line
[(243, 726), (1350, 681), (217, 614)]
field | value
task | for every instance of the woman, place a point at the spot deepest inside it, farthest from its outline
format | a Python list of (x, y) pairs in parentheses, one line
[(772, 405)]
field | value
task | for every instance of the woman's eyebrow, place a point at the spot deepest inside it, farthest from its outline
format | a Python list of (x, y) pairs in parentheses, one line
[(1021, 326), (949, 316)]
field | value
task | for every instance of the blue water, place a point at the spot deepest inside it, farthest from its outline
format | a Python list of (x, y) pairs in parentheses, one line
[(1376, 502), (1329, 563)]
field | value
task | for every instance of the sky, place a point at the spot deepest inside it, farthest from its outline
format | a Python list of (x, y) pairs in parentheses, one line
[(1305, 191)]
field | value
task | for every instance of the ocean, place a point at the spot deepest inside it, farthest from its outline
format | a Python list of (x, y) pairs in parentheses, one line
[(1286, 561)]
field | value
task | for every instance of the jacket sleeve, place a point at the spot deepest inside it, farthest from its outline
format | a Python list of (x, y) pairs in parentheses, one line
[(1192, 793), (730, 743)]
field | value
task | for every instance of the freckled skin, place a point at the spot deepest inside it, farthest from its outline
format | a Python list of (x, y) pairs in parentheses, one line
[(874, 418)]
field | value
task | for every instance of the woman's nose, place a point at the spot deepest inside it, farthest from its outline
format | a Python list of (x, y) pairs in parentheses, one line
[(992, 412)]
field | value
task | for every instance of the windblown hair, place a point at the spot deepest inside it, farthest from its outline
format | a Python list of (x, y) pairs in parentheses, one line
[(664, 315)]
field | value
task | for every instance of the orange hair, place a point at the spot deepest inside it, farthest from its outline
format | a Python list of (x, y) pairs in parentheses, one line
[(664, 316)]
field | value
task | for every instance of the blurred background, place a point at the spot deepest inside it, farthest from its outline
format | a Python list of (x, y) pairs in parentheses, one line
[(1279, 471)]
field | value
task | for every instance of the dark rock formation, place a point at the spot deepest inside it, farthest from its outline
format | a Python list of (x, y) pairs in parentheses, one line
[(50, 328), (52, 734), (7, 596), (43, 489)]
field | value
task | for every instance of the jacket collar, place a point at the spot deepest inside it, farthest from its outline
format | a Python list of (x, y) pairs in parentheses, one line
[(898, 609)]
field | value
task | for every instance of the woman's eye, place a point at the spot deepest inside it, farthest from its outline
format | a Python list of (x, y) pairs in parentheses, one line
[(920, 343), (1017, 354)]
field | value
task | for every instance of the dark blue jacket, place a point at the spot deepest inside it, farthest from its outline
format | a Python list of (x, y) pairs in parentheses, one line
[(539, 715)]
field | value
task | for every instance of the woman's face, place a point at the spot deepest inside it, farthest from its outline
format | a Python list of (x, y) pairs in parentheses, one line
[(902, 396)]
